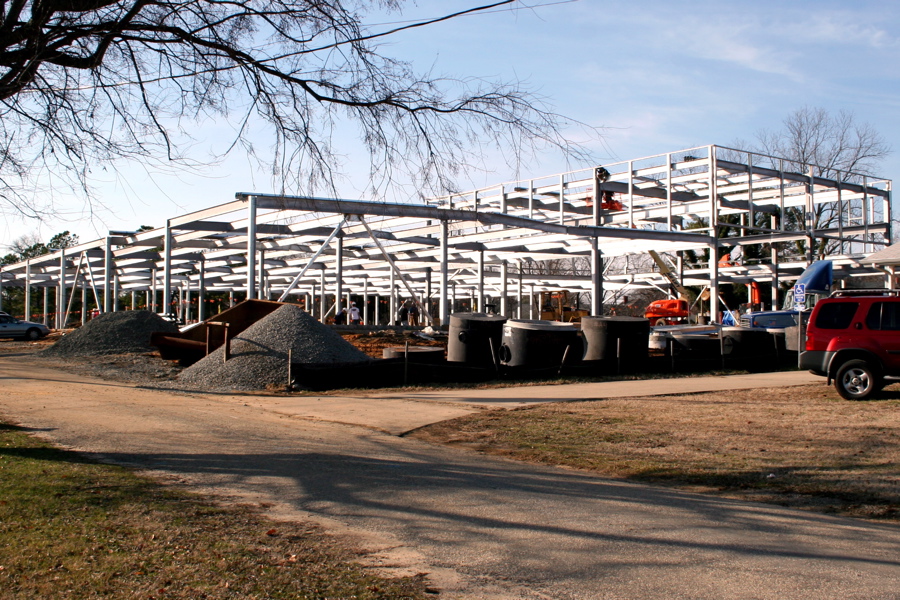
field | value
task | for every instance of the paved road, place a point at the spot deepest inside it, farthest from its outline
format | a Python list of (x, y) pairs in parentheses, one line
[(482, 527)]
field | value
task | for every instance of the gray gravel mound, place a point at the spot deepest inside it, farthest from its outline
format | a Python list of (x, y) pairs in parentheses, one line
[(259, 354), (112, 333)]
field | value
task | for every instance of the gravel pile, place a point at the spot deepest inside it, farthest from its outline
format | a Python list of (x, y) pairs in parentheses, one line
[(259, 354), (112, 333)]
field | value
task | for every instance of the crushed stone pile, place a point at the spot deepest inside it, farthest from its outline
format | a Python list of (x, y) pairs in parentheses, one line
[(259, 354), (112, 333)]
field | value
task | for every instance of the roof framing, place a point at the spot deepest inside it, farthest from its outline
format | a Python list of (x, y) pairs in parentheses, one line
[(670, 203)]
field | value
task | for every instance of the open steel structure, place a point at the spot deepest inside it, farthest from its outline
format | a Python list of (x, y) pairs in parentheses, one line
[(495, 242)]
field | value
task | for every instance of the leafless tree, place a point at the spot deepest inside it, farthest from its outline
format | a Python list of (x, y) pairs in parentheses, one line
[(830, 143), (833, 146), (84, 83)]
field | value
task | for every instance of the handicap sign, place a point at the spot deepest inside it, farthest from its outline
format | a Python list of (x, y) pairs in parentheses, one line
[(800, 296)]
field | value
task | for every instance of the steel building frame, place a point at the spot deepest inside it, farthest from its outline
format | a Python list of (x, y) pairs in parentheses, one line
[(488, 241)]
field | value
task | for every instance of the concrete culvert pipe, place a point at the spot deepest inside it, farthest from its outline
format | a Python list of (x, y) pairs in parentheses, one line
[(416, 354), (627, 338), (473, 337), (540, 344)]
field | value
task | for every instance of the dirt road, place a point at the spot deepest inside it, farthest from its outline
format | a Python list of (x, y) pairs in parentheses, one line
[(482, 527)]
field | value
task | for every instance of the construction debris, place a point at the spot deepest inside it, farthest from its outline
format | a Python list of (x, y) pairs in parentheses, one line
[(259, 355), (112, 333)]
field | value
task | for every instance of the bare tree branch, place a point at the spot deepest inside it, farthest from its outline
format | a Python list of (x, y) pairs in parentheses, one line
[(84, 83)]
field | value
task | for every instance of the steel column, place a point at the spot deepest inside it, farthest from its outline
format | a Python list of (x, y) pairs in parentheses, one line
[(444, 313), (115, 292), (201, 291), (596, 279), (323, 296), (28, 290), (519, 294), (107, 275), (251, 247), (365, 302), (504, 277), (61, 309), (392, 305), (167, 270), (153, 290), (339, 269), (714, 232), (480, 281)]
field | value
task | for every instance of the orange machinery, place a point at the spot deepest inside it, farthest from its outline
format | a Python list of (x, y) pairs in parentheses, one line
[(668, 312)]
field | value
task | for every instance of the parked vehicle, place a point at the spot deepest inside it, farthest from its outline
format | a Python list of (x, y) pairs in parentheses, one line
[(772, 319), (11, 327), (817, 279), (853, 339)]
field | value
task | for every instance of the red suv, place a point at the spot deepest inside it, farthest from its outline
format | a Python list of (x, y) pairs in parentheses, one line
[(853, 338)]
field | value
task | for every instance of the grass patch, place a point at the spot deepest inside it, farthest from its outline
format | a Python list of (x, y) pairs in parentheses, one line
[(72, 528), (800, 446)]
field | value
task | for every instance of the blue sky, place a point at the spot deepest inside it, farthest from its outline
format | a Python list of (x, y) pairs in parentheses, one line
[(660, 76)]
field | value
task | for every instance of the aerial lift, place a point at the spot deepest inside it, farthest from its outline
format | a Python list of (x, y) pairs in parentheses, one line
[(669, 311)]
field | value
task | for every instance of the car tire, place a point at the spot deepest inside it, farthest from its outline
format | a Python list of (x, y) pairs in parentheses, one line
[(32, 335), (857, 380)]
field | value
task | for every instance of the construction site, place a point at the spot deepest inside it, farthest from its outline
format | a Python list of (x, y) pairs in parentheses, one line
[(702, 234)]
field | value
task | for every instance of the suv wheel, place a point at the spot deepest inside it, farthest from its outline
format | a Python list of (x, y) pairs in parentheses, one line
[(857, 380)]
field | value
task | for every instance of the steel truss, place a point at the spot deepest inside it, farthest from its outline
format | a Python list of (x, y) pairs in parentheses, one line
[(495, 241)]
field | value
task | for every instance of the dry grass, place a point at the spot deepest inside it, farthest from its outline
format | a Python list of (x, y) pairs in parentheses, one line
[(803, 447), (70, 528)]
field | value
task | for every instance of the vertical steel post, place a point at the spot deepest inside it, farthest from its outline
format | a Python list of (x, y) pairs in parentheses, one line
[(504, 278), (201, 291), (365, 302), (596, 279), (153, 290), (668, 192), (167, 270), (562, 200), (597, 258), (630, 194), (428, 290), (261, 276), (251, 247), (28, 290), (444, 313), (392, 305), (519, 294), (480, 281), (531, 304), (187, 301), (323, 295), (115, 292), (61, 309), (339, 268), (376, 305), (714, 232), (107, 274)]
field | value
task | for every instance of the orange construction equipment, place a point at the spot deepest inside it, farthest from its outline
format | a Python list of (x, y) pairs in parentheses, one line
[(668, 312)]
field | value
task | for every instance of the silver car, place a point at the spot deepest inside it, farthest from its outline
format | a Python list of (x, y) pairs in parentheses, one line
[(11, 327)]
